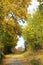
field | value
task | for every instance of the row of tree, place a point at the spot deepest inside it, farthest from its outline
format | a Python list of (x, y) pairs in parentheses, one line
[(9, 28), (33, 33)]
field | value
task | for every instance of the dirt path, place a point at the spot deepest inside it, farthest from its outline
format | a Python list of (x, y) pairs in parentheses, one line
[(21, 60), (15, 60)]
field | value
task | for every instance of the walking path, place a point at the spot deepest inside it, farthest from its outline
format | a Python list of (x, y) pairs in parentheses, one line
[(15, 60), (19, 59)]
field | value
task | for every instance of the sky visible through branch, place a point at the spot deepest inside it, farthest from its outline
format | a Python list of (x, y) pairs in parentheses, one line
[(31, 9)]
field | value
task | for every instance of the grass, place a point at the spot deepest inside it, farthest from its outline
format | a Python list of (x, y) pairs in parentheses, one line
[(35, 62)]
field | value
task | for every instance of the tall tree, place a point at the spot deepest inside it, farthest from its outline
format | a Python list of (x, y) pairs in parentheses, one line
[(33, 33), (17, 7), (10, 12)]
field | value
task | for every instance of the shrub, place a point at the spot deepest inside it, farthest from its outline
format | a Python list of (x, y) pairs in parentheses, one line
[(35, 62), (7, 40), (1, 52)]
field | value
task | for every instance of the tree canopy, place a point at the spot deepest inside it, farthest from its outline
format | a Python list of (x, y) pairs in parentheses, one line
[(33, 33), (10, 11)]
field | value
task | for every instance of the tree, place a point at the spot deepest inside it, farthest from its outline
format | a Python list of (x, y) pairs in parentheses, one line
[(17, 7), (33, 33), (10, 12)]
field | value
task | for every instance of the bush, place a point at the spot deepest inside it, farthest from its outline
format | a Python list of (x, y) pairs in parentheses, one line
[(35, 62), (7, 40), (1, 57), (1, 52)]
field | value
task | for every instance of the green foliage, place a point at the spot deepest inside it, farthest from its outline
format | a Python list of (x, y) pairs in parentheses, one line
[(6, 40), (1, 57), (35, 62), (33, 33), (1, 52), (1, 8)]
